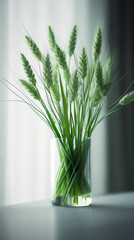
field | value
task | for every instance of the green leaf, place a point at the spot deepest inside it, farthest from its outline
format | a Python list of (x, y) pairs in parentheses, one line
[(65, 110)]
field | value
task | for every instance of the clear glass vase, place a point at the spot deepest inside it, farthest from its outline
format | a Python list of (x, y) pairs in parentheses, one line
[(70, 172)]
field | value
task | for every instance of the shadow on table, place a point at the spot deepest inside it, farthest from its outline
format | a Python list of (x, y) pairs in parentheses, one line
[(111, 207)]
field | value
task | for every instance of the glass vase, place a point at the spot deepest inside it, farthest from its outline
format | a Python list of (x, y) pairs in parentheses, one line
[(70, 172)]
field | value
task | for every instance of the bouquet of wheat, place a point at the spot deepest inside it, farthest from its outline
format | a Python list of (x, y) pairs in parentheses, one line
[(72, 106)]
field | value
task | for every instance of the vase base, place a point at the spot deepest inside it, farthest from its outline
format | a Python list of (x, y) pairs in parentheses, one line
[(75, 201)]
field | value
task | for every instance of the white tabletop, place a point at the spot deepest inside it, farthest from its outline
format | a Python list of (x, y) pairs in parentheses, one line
[(110, 217)]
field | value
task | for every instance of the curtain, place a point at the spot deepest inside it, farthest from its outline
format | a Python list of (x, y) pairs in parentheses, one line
[(24, 138), (120, 128), (3, 109)]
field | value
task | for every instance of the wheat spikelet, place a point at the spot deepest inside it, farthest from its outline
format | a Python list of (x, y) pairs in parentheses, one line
[(47, 72), (31, 89), (28, 70), (83, 64), (128, 98), (99, 76), (51, 38), (60, 57), (72, 41), (97, 44), (34, 48), (106, 88), (73, 86), (67, 75), (107, 70), (55, 88), (97, 96), (103, 86), (98, 91)]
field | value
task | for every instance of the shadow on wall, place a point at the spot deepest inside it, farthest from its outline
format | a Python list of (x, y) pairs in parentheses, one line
[(120, 128)]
